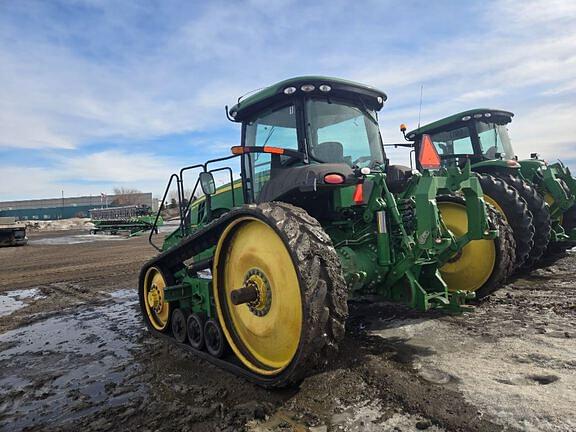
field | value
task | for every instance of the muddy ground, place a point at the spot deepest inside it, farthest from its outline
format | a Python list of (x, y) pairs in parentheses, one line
[(74, 355)]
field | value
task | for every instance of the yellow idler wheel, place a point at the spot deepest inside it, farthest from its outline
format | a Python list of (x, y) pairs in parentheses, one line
[(279, 294), (482, 265), (157, 310)]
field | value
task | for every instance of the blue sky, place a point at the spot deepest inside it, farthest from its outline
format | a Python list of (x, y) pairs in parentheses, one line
[(101, 94)]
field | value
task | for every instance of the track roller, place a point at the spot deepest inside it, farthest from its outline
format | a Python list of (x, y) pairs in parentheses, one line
[(195, 330), (214, 338), (179, 325)]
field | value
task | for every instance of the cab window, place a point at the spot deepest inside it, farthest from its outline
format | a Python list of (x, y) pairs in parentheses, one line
[(276, 129)]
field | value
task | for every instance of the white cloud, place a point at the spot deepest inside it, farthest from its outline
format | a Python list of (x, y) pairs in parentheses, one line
[(124, 81), (93, 173)]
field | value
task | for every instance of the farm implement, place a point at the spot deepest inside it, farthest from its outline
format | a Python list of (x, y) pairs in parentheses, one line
[(132, 219), (257, 276)]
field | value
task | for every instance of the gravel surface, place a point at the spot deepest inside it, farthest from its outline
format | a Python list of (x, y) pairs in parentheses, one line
[(75, 355)]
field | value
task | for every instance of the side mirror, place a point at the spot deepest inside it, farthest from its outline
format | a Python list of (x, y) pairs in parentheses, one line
[(207, 183)]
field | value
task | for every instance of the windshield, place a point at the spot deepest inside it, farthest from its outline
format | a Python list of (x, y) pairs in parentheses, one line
[(453, 146), (341, 133), (494, 139)]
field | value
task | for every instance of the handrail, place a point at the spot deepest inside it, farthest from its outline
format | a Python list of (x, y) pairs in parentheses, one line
[(183, 216), (184, 211), (231, 181), (160, 210)]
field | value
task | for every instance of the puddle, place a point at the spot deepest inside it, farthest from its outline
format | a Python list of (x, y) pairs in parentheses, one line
[(65, 367), (77, 239), (11, 301)]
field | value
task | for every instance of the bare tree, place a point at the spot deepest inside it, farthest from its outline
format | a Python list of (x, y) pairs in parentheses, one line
[(125, 196), (173, 197)]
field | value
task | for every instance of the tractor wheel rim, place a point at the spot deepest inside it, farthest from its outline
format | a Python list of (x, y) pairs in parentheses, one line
[(157, 310), (264, 334), (473, 265)]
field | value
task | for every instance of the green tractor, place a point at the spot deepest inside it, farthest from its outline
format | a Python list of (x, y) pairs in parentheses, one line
[(257, 276), (536, 198)]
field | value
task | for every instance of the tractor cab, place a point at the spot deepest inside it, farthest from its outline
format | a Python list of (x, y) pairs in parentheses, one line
[(306, 137), (477, 135)]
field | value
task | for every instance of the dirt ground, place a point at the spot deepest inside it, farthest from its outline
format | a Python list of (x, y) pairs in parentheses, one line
[(75, 355)]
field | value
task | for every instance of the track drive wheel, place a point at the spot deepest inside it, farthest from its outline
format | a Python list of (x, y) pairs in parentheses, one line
[(155, 310), (279, 292), (540, 217), (481, 266), (509, 202)]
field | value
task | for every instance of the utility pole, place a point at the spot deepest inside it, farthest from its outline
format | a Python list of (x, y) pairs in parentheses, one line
[(62, 210)]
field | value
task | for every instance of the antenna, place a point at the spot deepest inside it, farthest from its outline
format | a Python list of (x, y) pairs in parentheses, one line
[(420, 110)]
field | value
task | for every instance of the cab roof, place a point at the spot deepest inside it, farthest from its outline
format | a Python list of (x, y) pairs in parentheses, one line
[(455, 118), (373, 98)]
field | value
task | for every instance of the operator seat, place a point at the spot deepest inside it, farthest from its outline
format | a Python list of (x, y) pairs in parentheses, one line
[(330, 152), (397, 177)]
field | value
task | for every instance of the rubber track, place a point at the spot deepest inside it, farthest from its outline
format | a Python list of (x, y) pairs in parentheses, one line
[(321, 279), (516, 211), (540, 217)]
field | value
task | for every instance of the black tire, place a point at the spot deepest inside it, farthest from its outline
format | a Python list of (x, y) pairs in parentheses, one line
[(322, 288), (214, 338), (505, 246), (178, 325), (195, 330), (540, 217), (516, 213)]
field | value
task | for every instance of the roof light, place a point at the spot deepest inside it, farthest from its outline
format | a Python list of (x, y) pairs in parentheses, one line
[(403, 127), (466, 118), (428, 156), (487, 115), (233, 114), (289, 90), (334, 178), (307, 88), (325, 88), (477, 115), (380, 99)]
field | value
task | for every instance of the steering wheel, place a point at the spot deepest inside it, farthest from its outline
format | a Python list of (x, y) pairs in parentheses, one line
[(361, 159)]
